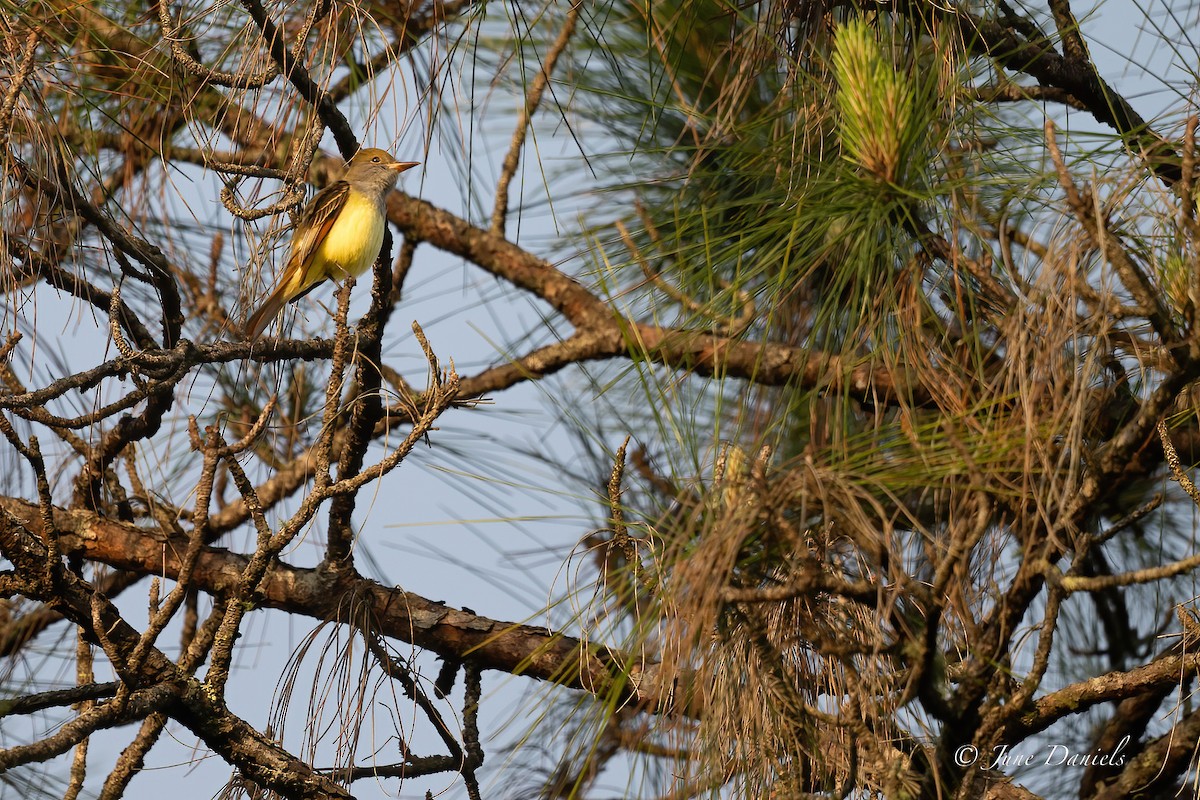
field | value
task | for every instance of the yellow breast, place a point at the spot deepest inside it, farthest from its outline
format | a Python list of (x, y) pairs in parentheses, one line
[(353, 242)]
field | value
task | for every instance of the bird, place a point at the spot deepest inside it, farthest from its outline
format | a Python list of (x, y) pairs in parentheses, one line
[(339, 233)]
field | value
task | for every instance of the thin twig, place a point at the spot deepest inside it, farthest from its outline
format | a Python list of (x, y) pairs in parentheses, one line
[(337, 379), (1133, 277), (84, 676), (231, 80), (533, 99)]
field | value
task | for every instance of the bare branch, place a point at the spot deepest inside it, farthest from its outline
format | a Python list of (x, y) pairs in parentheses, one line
[(533, 99)]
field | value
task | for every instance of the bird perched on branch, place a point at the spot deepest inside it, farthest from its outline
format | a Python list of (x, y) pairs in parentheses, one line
[(339, 234)]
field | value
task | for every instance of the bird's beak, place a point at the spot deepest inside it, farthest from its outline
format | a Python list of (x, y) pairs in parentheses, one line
[(404, 166)]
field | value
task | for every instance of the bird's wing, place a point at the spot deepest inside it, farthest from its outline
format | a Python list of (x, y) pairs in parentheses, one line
[(314, 226)]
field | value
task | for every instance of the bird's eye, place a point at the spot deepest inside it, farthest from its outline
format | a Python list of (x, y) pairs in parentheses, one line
[(376, 159)]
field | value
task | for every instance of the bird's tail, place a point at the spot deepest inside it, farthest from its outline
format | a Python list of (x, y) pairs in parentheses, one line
[(268, 311)]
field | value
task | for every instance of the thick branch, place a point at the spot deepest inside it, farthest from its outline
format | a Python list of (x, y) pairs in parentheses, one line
[(518, 649)]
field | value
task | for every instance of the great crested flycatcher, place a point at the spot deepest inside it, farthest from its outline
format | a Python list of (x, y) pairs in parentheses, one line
[(339, 234)]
